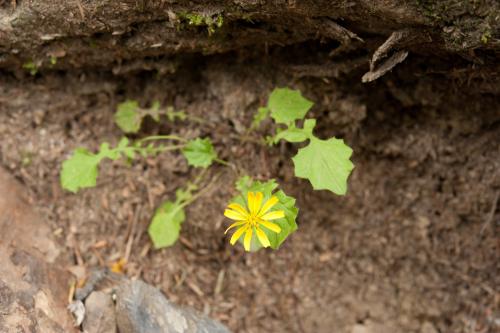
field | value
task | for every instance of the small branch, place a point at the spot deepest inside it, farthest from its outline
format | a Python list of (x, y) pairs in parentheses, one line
[(389, 64), (333, 30), (390, 44), (378, 67), (80, 8)]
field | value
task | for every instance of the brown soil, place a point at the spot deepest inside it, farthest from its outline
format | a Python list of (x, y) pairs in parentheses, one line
[(413, 247)]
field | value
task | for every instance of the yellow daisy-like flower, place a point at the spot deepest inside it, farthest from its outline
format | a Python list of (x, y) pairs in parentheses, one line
[(252, 219)]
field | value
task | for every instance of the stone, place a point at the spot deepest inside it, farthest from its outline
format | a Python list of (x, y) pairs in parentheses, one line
[(33, 284), (99, 313), (141, 308)]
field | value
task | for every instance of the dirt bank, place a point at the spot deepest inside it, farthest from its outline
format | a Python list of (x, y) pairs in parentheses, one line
[(413, 247)]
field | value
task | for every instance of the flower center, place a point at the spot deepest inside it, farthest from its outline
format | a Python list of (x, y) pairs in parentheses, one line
[(253, 220)]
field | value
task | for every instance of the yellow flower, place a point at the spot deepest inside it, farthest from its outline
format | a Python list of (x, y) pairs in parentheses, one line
[(252, 219)]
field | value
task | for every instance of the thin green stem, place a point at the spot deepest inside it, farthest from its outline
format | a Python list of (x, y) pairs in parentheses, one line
[(200, 192), (163, 137), (247, 138), (200, 177), (168, 148), (153, 150), (170, 113), (218, 160)]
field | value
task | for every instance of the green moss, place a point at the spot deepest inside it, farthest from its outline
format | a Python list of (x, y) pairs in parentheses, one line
[(211, 22), (194, 19), (485, 37), (465, 24), (430, 9), (31, 67)]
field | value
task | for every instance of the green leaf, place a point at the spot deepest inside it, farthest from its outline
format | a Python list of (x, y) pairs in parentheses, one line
[(287, 224), (199, 152), (286, 203), (31, 67), (246, 184), (172, 115), (80, 170), (154, 111), (127, 117), (243, 183), (124, 148), (288, 105), (325, 163), (166, 225), (294, 134), (105, 151), (309, 125), (184, 195), (123, 143), (259, 117)]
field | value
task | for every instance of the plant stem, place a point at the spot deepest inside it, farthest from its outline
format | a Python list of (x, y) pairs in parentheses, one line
[(218, 160), (168, 148), (153, 150), (200, 177), (163, 137), (200, 192)]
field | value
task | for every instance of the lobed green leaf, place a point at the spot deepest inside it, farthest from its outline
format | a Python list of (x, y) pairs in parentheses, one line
[(154, 111), (288, 105), (325, 163), (243, 183), (199, 152), (261, 114), (125, 149), (127, 117), (166, 224), (184, 195), (287, 224), (294, 134), (80, 170)]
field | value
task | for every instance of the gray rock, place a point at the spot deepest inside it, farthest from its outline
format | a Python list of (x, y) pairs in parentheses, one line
[(141, 308)]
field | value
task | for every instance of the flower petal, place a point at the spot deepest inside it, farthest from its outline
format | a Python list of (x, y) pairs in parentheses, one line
[(268, 205), (248, 239), (250, 201), (234, 215), (239, 208), (254, 202), (277, 214), (271, 226), (258, 196), (262, 237), (235, 224), (237, 234)]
